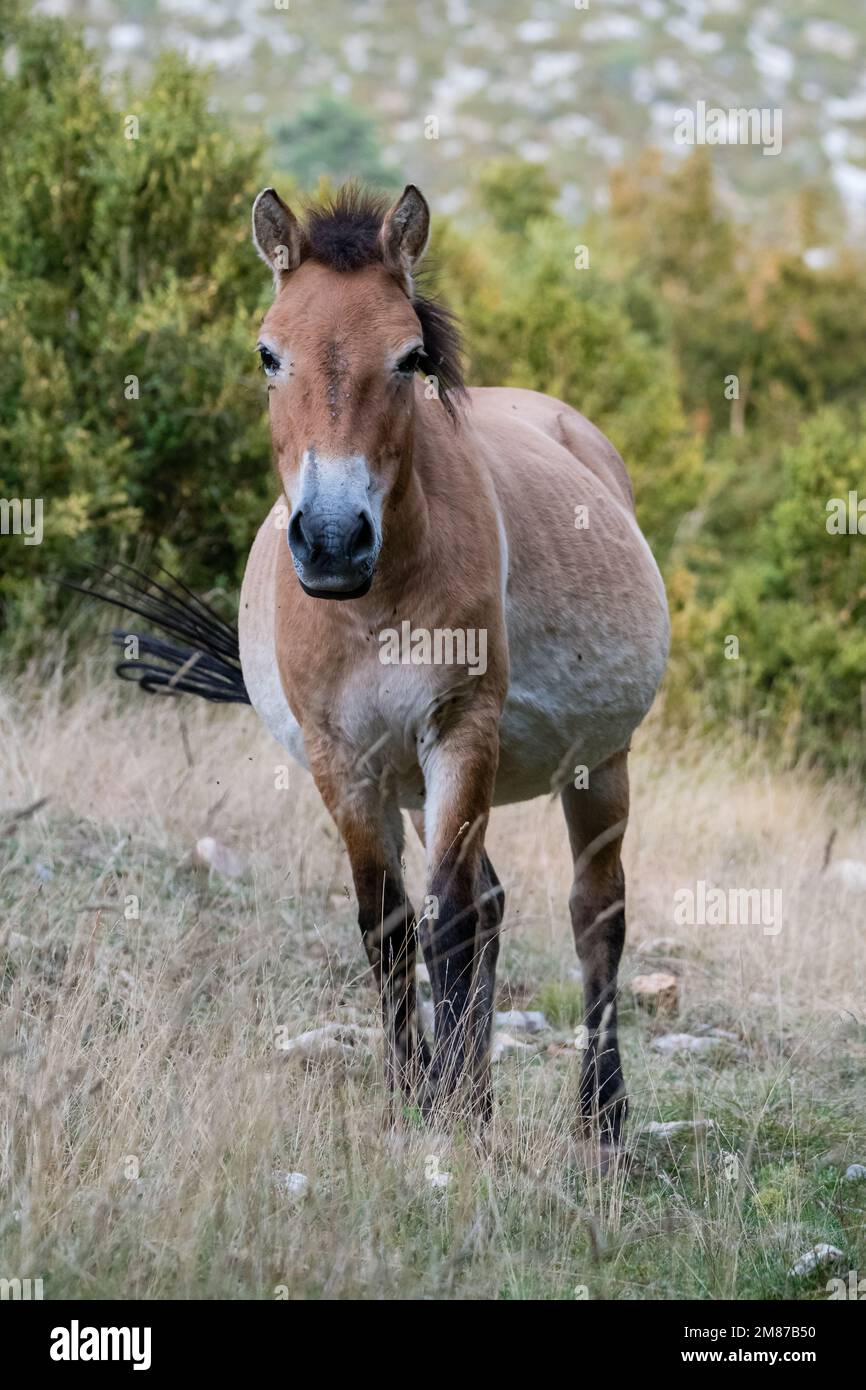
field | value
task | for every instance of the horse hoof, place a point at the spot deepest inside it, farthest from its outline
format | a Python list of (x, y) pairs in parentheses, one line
[(611, 1158)]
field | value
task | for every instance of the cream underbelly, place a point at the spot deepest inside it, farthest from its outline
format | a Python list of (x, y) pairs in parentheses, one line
[(563, 710)]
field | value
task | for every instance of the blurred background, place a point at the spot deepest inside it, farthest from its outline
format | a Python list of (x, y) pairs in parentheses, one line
[(344, 89), (705, 306)]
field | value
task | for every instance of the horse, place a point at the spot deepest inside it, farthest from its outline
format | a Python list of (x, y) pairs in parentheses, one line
[(450, 607), (488, 518)]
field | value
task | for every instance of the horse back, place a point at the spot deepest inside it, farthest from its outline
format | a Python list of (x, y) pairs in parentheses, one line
[(507, 407)]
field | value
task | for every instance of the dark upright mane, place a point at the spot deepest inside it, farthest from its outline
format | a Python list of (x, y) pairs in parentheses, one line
[(343, 234)]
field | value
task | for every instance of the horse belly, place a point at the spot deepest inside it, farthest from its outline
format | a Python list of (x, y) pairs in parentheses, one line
[(576, 694), (586, 615), (547, 732)]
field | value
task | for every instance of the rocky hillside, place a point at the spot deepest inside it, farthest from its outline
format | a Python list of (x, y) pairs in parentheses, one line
[(457, 82)]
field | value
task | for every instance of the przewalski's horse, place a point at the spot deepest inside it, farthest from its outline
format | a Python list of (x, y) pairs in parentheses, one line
[(450, 607), (493, 529)]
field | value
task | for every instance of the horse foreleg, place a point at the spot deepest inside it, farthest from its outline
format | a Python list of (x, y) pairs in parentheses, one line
[(459, 930), (491, 913), (388, 932), (370, 824), (492, 910)]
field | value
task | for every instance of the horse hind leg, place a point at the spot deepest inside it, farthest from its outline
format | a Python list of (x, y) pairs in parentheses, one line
[(596, 817)]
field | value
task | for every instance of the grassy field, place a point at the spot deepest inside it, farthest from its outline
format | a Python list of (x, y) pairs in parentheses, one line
[(147, 1109)]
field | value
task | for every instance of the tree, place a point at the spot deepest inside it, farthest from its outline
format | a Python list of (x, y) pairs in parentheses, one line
[(535, 320), (332, 140), (512, 192), (128, 292), (797, 605)]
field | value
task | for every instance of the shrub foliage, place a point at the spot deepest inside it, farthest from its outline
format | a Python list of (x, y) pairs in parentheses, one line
[(728, 374)]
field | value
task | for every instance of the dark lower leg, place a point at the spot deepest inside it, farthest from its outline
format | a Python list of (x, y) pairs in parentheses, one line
[(491, 913), (599, 936), (449, 943), (387, 925), (596, 817)]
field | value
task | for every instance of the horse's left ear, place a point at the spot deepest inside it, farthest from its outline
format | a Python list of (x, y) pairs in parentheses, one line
[(405, 232), (276, 234)]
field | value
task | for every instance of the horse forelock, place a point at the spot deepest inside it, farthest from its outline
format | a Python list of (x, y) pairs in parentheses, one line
[(343, 233)]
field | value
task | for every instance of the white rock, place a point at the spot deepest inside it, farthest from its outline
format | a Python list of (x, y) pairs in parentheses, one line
[(19, 944), (218, 858), (850, 874), (686, 1042), (656, 993), (856, 1172), (295, 1184), (504, 1045), (819, 1255), (670, 1129), (660, 946), (347, 1040), (521, 1021)]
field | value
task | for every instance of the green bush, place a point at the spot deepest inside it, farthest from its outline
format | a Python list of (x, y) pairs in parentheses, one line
[(129, 398), (131, 403), (796, 605), (802, 604), (541, 323)]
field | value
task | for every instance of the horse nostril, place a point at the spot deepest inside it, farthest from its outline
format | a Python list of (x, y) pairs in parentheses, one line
[(363, 539), (300, 543)]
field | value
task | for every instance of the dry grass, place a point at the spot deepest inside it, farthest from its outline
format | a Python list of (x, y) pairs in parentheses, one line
[(146, 1106)]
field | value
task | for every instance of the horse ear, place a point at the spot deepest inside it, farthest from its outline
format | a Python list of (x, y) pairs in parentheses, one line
[(276, 233), (405, 232)]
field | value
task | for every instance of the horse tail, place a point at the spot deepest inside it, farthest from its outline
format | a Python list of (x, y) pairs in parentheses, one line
[(196, 652)]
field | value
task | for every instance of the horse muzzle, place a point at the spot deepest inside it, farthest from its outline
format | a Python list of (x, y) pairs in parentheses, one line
[(334, 555)]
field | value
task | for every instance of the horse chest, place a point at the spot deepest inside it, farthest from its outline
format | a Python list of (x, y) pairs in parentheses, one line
[(375, 716), (383, 712)]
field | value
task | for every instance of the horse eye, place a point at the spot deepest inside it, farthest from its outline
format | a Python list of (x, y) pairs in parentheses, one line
[(410, 364), (270, 363)]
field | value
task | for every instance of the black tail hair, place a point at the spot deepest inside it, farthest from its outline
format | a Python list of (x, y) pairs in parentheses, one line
[(203, 659)]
